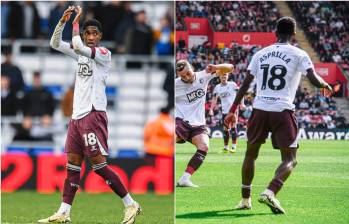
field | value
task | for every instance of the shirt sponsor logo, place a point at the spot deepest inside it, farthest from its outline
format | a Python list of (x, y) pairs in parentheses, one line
[(84, 69), (225, 94), (269, 98), (197, 94)]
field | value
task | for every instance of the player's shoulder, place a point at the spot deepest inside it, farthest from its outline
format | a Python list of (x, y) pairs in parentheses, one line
[(232, 83), (295, 50), (103, 50), (178, 80)]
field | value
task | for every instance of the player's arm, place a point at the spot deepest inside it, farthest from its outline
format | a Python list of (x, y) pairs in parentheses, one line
[(239, 96), (318, 82), (56, 41), (220, 69), (102, 56)]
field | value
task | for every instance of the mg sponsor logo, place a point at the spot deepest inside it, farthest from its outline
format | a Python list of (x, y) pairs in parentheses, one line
[(197, 94)]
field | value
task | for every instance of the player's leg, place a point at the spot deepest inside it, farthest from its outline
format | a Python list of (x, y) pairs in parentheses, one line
[(234, 136), (96, 148), (100, 166), (257, 132), (234, 133), (72, 181), (225, 134), (247, 173), (284, 136), (74, 150), (288, 163), (201, 141)]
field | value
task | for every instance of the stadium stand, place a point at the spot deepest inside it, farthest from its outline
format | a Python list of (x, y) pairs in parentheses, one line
[(233, 16), (326, 25)]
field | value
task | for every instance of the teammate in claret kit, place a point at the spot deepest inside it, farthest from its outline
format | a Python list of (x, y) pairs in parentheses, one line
[(277, 69), (190, 96), (87, 131)]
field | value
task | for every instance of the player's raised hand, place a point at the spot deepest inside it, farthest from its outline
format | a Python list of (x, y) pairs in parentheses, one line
[(210, 68), (327, 90), (67, 13), (78, 11), (229, 119)]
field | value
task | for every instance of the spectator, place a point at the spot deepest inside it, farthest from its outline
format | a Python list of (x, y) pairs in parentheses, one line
[(110, 14), (126, 23), (164, 44), (12, 72), (139, 39), (140, 36), (5, 9), (38, 101), (9, 101), (23, 20), (55, 15)]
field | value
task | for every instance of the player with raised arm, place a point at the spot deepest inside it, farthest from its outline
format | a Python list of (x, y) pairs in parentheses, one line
[(190, 95), (277, 69), (226, 92), (87, 131)]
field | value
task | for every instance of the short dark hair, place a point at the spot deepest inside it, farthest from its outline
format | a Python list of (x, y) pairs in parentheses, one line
[(286, 26), (92, 22)]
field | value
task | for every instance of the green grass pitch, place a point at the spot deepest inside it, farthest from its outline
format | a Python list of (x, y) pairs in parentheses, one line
[(316, 192), (28, 207)]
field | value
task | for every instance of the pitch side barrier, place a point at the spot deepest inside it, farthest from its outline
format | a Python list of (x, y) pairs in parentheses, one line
[(303, 133), (45, 173)]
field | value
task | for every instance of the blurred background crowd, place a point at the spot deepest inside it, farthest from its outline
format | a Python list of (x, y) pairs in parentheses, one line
[(131, 29)]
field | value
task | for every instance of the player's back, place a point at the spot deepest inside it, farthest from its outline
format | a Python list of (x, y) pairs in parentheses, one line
[(278, 70)]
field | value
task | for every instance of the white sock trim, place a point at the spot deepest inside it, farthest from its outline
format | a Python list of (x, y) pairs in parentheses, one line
[(246, 186), (268, 192), (127, 200), (64, 208), (186, 176)]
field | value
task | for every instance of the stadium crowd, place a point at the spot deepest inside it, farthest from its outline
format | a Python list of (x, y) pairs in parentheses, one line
[(127, 28), (326, 25), (230, 16)]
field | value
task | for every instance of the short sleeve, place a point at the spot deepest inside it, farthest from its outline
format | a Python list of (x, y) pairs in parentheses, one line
[(305, 63), (101, 55), (253, 66), (205, 75)]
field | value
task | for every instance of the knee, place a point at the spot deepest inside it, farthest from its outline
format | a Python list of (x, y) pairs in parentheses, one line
[(202, 147), (74, 161), (291, 162), (294, 162)]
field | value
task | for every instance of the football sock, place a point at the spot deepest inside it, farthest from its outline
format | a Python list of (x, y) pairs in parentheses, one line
[(268, 192), (71, 183), (111, 178), (196, 161), (185, 176), (226, 137), (64, 209), (246, 191), (234, 135), (275, 185), (127, 200)]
